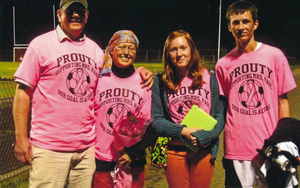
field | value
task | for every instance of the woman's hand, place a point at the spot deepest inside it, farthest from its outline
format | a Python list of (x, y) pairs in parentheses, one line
[(186, 132), (194, 140), (123, 160)]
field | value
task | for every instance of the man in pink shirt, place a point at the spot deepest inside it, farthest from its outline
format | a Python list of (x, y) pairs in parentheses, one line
[(254, 78), (59, 75)]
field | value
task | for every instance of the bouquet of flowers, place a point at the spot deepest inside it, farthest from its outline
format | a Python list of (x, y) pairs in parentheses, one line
[(127, 132)]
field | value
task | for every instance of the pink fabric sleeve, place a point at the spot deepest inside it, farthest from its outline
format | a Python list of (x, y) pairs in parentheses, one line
[(29, 70)]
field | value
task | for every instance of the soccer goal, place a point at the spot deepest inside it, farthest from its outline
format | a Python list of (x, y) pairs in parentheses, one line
[(19, 48)]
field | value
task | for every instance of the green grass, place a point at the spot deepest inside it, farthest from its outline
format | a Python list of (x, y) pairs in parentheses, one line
[(7, 69), (155, 67), (19, 181)]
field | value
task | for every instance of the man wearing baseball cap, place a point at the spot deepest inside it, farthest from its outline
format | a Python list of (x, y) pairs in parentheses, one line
[(58, 74), (66, 3)]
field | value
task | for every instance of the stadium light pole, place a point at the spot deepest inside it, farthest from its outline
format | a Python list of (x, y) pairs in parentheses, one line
[(219, 37), (16, 46), (54, 24)]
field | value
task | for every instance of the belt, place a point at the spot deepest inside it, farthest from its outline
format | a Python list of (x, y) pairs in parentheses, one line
[(104, 166)]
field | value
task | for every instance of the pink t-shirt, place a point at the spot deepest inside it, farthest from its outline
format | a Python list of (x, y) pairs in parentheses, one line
[(64, 76), (116, 98), (179, 103), (252, 83)]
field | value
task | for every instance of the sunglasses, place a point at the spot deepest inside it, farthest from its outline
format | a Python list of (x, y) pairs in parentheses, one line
[(80, 12)]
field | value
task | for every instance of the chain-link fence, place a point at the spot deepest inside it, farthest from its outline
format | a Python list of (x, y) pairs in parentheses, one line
[(12, 172)]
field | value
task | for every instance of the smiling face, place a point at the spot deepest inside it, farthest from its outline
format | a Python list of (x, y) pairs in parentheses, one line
[(242, 27), (123, 54), (180, 54), (73, 20)]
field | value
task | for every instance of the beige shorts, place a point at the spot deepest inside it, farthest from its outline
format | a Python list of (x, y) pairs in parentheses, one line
[(53, 169)]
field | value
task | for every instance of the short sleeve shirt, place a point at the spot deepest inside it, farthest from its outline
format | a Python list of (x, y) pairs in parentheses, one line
[(64, 75), (252, 83)]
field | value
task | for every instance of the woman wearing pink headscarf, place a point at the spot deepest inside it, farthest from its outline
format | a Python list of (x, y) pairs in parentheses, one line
[(119, 98)]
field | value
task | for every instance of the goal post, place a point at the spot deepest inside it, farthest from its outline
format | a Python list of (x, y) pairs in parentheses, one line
[(20, 55), (20, 46)]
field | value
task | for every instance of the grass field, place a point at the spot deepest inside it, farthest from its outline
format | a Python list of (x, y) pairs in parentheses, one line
[(7, 69)]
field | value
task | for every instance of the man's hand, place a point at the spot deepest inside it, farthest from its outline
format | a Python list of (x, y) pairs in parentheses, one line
[(147, 77), (21, 108), (23, 150)]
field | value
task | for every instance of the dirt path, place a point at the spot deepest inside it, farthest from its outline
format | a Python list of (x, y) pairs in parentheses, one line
[(155, 177)]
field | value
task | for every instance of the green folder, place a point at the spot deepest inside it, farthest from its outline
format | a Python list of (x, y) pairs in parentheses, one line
[(199, 119)]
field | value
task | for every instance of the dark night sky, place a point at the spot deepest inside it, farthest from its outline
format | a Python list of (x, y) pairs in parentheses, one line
[(153, 20)]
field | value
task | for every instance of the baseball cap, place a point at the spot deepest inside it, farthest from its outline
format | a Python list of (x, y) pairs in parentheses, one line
[(66, 3)]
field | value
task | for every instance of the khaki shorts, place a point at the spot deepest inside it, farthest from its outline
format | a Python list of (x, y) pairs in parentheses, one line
[(52, 169)]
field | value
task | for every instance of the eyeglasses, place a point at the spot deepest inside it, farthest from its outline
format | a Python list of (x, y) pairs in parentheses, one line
[(80, 12), (123, 49)]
